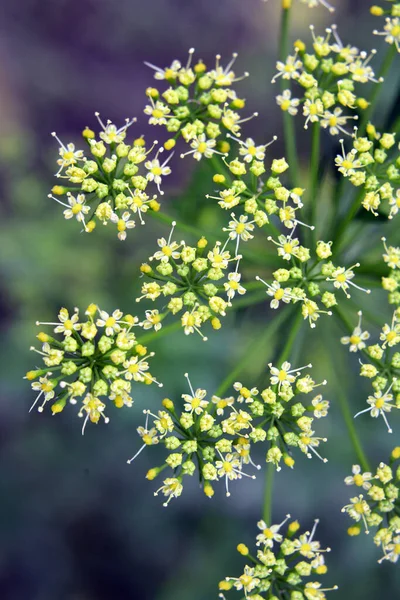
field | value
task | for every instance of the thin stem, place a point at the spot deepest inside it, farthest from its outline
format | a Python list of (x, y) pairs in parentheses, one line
[(351, 213), (289, 131), (269, 481), (285, 352), (349, 421), (314, 166), (148, 337), (387, 63), (252, 351)]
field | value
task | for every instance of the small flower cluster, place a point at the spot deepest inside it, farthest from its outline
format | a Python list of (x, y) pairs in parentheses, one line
[(95, 358), (107, 183), (391, 283), (217, 435), (329, 77), (285, 566), (200, 105), (255, 197), (193, 280), (383, 369), (380, 507), (391, 29), (307, 279), (373, 164)]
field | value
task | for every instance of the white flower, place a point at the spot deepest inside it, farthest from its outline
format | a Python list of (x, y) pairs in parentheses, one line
[(278, 293), (153, 319), (342, 279), (202, 147), (158, 112), (233, 286), (391, 32), (320, 406), (68, 155), (360, 69), (287, 103), (283, 376), (357, 338), (110, 133), (380, 403), (271, 534), (123, 223), (45, 387), (110, 322), (168, 249), (288, 69), (358, 478), (157, 170), (347, 163), (335, 121)]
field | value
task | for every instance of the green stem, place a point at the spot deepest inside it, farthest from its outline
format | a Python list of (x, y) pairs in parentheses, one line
[(252, 351), (148, 337), (349, 421), (387, 63), (289, 131), (285, 352), (351, 213), (314, 166), (269, 480)]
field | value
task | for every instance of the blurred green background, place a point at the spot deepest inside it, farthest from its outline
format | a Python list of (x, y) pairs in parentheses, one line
[(76, 522)]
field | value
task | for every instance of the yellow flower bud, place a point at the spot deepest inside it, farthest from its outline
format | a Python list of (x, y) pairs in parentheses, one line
[(202, 243), (299, 45), (218, 178), (286, 4), (371, 131), (200, 67), (149, 379), (152, 92), (396, 453), (362, 103), (242, 549), (152, 474), (293, 527), (90, 226), (88, 134), (225, 585), (139, 142), (208, 490), (59, 190), (377, 11), (289, 461), (58, 406), (238, 103), (43, 337), (91, 310), (154, 205), (216, 323), (321, 569), (32, 375), (130, 319), (169, 144), (224, 147), (354, 530), (168, 404), (145, 268), (118, 401), (141, 350), (298, 191)]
